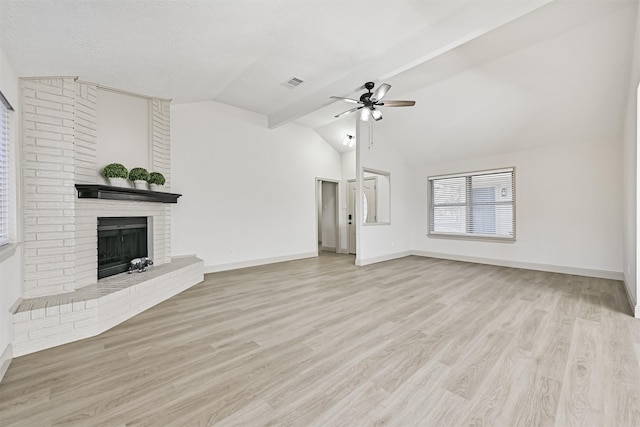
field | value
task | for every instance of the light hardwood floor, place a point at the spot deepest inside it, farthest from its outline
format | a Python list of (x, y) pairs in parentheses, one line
[(320, 342)]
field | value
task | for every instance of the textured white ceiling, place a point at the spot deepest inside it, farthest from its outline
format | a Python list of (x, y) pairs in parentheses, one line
[(557, 75), (239, 52)]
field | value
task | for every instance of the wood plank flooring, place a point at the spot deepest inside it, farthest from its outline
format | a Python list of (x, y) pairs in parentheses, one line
[(320, 342)]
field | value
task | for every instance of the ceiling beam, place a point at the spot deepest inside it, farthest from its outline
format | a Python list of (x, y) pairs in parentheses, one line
[(471, 21)]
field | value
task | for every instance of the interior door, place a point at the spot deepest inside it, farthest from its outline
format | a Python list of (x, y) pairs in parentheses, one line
[(351, 219)]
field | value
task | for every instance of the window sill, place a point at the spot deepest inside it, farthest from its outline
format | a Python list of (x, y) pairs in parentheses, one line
[(8, 250), (453, 236)]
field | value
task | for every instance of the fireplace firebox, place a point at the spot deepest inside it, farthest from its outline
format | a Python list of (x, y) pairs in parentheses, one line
[(120, 239)]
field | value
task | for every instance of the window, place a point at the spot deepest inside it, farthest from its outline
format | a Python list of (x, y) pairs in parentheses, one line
[(4, 169), (478, 204)]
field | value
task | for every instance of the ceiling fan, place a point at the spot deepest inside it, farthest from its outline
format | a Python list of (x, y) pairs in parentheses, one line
[(370, 100)]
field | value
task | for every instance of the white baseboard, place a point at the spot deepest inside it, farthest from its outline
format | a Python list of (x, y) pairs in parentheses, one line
[(5, 360), (328, 248), (382, 258), (257, 262), (576, 271), (633, 303)]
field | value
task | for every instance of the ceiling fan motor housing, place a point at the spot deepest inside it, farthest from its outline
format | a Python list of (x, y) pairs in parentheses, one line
[(366, 97)]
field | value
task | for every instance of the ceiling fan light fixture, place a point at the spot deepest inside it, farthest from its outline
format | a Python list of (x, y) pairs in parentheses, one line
[(349, 140), (370, 100)]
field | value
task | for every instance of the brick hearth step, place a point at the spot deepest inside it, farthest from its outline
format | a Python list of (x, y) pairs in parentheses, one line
[(44, 322)]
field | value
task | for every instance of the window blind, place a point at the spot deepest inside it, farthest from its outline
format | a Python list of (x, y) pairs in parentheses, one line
[(477, 204), (5, 107)]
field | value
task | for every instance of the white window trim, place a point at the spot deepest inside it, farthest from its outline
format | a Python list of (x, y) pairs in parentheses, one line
[(469, 236)]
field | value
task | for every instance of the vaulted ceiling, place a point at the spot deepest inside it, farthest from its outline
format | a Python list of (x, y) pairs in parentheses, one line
[(487, 75)]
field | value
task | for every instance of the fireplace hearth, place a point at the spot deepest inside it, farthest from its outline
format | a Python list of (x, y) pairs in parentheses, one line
[(120, 239)]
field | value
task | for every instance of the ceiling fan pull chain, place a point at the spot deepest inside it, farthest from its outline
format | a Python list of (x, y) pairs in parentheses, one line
[(367, 106), (370, 135)]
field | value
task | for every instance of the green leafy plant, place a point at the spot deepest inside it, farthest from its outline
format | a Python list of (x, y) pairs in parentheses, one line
[(156, 178), (115, 170), (139, 174)]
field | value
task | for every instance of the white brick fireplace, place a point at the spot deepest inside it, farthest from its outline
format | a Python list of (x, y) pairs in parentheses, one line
[(62, 299)]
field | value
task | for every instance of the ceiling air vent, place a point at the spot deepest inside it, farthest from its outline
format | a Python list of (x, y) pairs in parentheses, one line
[(292, 82)]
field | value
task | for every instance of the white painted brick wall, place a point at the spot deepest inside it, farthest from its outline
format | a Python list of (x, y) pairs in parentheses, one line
[(59, 146), (86, 131), (48, 177), (161, 140), (59, 121)]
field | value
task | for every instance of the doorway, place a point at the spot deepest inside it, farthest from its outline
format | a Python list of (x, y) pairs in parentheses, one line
[(328, 235)]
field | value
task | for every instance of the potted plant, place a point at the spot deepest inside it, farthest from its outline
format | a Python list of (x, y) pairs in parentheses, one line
[(117, 174), (156, 181), (139, 176)]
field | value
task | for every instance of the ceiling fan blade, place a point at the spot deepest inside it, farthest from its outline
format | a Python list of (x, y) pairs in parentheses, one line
[(398, 103), (380, 92), (353, 101), (347, 112)]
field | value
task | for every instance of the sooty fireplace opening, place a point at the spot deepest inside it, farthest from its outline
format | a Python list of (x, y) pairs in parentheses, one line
[(120, 239)]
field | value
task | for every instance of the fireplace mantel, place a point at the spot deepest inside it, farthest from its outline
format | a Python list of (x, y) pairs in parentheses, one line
[(99, 191)]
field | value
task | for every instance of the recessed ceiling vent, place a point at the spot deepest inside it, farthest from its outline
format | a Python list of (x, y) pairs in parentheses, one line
[(292, 82)]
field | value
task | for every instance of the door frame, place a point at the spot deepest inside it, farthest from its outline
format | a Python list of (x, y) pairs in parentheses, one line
[(353, 224), (318, 206)]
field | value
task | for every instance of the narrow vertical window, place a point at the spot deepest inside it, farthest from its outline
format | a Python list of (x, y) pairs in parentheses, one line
[(478, 204), (5, 107)]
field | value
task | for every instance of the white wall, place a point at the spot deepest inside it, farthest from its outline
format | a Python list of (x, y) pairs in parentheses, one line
[(630, 159), (10, 280), (249, 194), (11, 265), (123, 131), (378, 242), (348, 167), (569, 202)]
